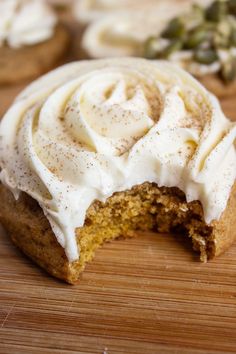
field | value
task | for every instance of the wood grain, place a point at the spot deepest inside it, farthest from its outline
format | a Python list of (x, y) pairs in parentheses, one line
[(144, 295)]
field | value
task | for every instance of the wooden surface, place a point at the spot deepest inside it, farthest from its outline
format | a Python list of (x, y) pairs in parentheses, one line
[(145, 295)]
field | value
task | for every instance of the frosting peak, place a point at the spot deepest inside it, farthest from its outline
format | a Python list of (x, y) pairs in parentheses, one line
[(25, 22), (89, 129)]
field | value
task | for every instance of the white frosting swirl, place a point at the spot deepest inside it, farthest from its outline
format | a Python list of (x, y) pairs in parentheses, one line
[(25, 22), (122, 34), (89, 129)]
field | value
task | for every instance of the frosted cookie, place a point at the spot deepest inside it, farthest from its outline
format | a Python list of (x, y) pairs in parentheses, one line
[(98, 149), (31, 40), (123, 34), (113, 27)]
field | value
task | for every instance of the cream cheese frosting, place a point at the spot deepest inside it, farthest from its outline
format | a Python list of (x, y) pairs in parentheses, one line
[(25, 22), (122, 34), (92, 128)]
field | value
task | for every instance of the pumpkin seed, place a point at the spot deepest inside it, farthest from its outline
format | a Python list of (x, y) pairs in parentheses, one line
[(175, 29), (221, 37), (151, 48), (173, 47), (224, 27), (198, 11), (216, 11), (198, 36), (207, 57), (194, 18), (220, 41)]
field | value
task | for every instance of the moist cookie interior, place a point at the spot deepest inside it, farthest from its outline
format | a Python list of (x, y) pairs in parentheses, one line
[(145, 207)]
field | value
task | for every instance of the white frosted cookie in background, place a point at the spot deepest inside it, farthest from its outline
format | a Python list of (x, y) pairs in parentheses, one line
[(119, 28), (32, 40), (122, 34), (123, 28), (26, 22), (201, 39)]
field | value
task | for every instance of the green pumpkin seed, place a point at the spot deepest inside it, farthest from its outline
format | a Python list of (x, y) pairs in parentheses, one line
[(151, 48), (198, 11), (228, 70), (173, 47), (194, 18), (220, 41), (175, 29), (224, 27), (207, 56), (196, 38), (216, 11), (221, 37)]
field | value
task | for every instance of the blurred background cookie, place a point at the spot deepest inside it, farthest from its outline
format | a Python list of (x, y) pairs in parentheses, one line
[(119, 28), (201, 39), (122, 34), (32, 40)]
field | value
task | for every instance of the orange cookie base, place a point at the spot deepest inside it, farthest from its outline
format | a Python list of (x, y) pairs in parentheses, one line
[(144, 207), (17, 65)]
